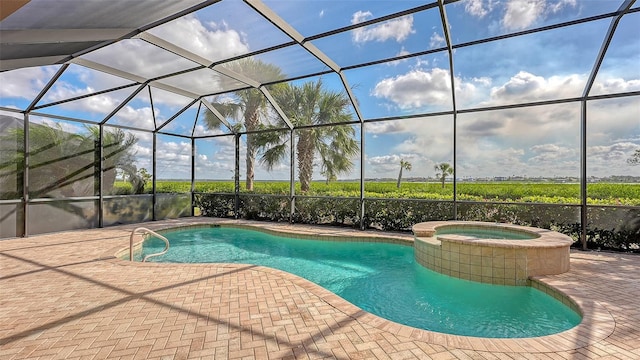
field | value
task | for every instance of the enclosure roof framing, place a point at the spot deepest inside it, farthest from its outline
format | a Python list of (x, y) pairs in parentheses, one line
[(195, 50)]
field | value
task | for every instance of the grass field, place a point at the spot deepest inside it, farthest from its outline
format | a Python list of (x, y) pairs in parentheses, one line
[(557, 193)]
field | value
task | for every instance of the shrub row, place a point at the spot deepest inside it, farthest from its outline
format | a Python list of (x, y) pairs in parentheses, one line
[(609, 228)]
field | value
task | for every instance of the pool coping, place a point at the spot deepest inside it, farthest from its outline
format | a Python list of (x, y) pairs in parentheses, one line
[(597, 322), (544, 238)]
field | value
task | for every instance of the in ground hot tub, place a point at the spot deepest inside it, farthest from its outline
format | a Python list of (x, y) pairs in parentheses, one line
[(490, 252)]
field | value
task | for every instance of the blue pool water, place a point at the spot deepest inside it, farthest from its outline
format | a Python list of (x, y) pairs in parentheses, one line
[(383, 279), (485, 233)]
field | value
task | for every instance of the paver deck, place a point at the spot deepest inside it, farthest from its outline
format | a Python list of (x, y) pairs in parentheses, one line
[(64, 296)]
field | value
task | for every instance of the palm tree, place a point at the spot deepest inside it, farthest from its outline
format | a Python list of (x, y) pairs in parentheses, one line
[(66, 164), (403, 165), (442, 171), (60, 163), (307, 105), (250, 107), (118, 154)]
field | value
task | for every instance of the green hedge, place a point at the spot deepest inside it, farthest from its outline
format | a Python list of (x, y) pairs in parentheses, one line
[(609, 228), (333, 211), (267, 208), (401, 215), (214, 205), (613, 228)]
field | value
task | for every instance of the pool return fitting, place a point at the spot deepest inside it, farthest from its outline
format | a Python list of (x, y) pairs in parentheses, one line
[(146, 232)]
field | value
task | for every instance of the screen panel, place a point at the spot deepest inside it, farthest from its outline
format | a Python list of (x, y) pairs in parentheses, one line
[(61, 216)]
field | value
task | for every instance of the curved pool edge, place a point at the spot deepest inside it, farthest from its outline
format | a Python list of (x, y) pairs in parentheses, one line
[(597, 323)]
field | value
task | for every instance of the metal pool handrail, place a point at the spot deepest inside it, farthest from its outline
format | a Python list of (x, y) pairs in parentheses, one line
[(145, 230)]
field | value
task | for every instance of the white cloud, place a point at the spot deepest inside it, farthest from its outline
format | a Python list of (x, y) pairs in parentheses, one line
[(397, 29), (552, 153), (321, 15), (25, 83), (101, 104), (533, 141), (525, 86), (436, 40), (360, 16), (141, 117), (389, 165), (484, 81), (614, 85), (421, 141), (385, 127), (611, 159), (485, 159), (524, 127), (95, 80), (560, 5), (90, 82), (433, 144), (213, 41), (139, 57), (28, 82), (171, 151), (201, 130), (420, 88), (63, 90), (201, 81), (478, 8), (416, 89), (173, 159), (206, 169), (386, 159), (521, 14), (617, 152), (613, 121), (517, 14), (216, 158), (549, 136), (143, 154), (210, 170)]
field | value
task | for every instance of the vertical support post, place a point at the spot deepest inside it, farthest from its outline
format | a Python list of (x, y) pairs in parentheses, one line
[(25, 179), (155, 177), (292, 176), (583, 174), (99, 151), (622, 10), (236, 205), (193, 174), (445, 27), (455, 165), (362, 162)]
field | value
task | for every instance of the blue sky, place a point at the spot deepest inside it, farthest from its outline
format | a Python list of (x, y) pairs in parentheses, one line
[(532, 141)]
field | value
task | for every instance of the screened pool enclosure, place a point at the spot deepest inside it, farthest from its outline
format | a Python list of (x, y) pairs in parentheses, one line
[(368, 114)]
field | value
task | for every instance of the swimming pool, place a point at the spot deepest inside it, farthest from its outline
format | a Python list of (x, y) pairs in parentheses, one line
[(381, 278)]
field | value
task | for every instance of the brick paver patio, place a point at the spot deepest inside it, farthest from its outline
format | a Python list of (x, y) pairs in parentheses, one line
[(64, 296)]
